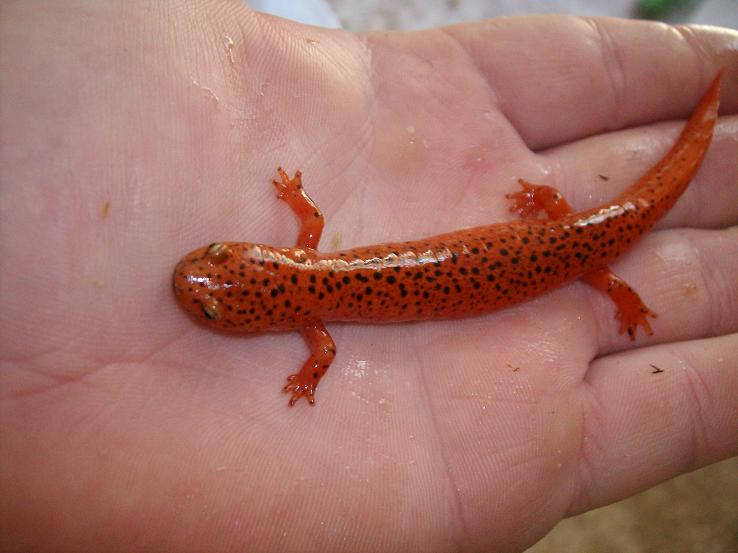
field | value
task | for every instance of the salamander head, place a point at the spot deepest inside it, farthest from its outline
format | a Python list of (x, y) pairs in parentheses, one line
[(236, 286)]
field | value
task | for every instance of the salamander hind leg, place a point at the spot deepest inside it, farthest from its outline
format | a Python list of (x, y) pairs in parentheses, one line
[(311, 219), (322, 351), (536, 198), (632, 312)]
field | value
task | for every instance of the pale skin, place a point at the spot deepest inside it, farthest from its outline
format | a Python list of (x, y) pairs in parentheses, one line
[(131, 134)]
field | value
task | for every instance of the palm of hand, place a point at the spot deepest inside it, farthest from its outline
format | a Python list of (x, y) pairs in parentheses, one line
[(425, 436)]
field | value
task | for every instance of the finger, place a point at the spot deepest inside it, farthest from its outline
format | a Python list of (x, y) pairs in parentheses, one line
[(642, 426), (592, 171), (688, 277), (583, 76)]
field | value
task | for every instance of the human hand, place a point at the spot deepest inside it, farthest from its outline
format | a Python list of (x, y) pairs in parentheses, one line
[(125, 426)]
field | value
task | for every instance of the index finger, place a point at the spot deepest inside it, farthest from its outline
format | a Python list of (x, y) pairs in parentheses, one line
[(560, 78)]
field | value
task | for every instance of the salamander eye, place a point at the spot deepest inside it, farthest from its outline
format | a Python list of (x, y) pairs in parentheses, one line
[(211, 312), (217, 252)]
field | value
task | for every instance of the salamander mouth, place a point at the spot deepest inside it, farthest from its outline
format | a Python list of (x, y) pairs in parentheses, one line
[(178, 276)]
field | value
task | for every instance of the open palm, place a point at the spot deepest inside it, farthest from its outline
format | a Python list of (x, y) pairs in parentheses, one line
[(130, 137)]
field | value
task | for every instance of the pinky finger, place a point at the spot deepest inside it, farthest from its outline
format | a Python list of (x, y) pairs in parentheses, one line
[(656, 412)]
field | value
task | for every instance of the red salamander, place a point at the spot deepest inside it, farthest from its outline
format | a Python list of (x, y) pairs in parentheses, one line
[(243, 287)]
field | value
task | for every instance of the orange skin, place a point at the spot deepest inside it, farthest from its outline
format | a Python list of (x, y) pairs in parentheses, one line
[(244, 287)]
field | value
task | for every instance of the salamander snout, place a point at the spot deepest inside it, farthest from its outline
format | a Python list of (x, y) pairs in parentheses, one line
[(200, 281)]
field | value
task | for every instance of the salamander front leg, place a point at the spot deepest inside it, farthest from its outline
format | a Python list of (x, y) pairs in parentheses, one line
[(632, 312), (311, 219), (322, 351)]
